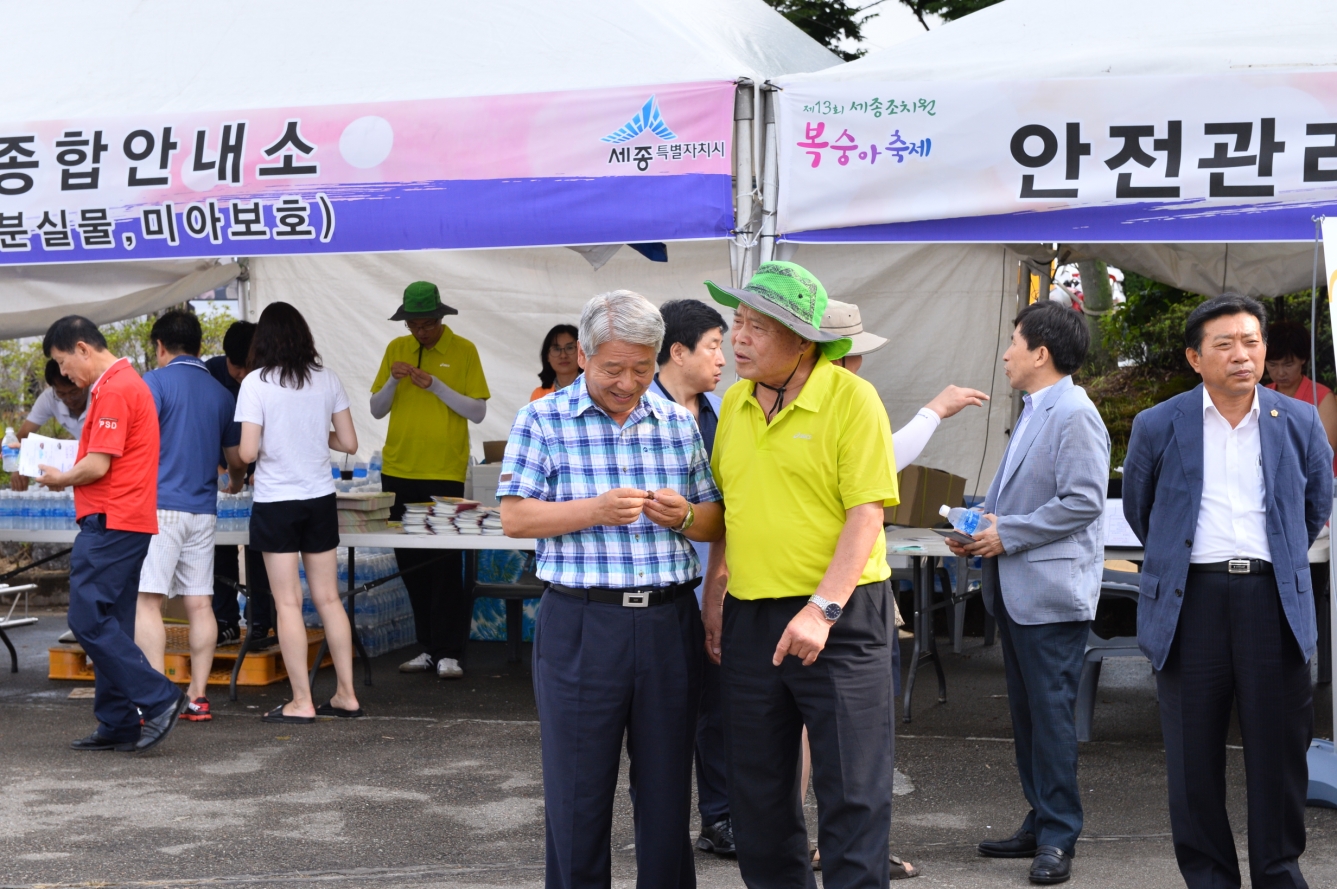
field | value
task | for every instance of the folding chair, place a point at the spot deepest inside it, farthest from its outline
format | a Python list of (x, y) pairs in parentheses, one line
[(1114, 584)]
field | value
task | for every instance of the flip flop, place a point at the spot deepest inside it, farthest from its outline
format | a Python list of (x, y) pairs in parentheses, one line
[(277, 715), (331, 710)]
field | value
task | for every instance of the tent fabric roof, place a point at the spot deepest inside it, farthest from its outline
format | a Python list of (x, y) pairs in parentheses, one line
[(1039, 39), (1035, 39), (33, 296), (122, 57)]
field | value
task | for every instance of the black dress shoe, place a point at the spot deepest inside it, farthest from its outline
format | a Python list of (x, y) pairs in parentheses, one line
[(1051, 865), (97, 742), (1020, 845), (155, 730), (718, 838)]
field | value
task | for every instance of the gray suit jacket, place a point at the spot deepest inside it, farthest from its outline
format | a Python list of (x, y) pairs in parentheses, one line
[(1049, 509)]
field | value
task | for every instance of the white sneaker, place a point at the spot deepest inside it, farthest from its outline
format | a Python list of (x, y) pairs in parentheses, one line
[(449, 668), (420, 664)]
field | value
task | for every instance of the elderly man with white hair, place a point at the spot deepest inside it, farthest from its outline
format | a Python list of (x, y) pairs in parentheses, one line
[(614, 481)]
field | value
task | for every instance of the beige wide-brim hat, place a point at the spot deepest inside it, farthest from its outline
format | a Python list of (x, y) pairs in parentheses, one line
[(843, 319)]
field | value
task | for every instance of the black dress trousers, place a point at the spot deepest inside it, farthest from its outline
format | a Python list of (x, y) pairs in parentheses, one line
[(845, 700), (442, 611), (1234, 647)]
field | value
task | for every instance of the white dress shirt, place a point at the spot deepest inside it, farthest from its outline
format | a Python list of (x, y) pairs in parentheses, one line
[(1033, 401), (1232, 520)]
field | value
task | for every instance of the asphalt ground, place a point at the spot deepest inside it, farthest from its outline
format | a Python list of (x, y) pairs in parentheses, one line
[(441, 787)]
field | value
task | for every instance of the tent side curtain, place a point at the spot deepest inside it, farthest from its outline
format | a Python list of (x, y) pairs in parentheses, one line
[(931, 300), (35, 296)]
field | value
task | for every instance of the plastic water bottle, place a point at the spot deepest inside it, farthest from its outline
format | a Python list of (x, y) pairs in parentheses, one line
[(374, 468), (967, 521), (10, 450)]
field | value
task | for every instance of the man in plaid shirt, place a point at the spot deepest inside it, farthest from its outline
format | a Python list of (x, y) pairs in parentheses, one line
[(614, 482)]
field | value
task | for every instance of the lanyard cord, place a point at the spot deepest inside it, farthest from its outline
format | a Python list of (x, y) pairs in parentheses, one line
[(779, 391)]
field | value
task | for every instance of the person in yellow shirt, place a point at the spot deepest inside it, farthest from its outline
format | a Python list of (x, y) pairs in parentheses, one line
[(803, 457), (431, 384)]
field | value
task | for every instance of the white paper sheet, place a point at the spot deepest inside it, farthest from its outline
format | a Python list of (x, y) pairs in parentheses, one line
[(37, 450), (1117, 531)]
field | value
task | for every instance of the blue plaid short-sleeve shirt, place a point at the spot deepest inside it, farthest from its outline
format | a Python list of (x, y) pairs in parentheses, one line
[(564, 447)]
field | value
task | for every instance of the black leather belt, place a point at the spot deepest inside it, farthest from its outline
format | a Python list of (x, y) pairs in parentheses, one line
[(627, 597), (1233, 566)]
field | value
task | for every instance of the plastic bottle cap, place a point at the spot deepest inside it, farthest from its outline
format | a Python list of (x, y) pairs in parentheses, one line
[(945, 510)]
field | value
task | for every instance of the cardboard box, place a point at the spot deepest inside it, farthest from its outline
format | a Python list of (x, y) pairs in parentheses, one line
[(493, 451), (923, 492)]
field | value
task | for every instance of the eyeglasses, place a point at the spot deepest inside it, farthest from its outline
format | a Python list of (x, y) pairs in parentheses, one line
[(568, 349), (422, 326)]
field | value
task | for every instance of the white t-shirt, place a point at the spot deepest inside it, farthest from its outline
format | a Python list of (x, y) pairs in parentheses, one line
[(48, 405), (294, 461)]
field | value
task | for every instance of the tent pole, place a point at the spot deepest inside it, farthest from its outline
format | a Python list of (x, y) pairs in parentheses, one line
[(744, 187), (770, 178)]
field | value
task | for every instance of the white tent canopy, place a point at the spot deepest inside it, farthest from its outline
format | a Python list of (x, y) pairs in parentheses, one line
[(1020, 40), (135, 57)]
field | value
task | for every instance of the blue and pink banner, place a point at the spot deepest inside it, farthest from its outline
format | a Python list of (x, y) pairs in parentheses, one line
[(587, 167), (1239, 157)]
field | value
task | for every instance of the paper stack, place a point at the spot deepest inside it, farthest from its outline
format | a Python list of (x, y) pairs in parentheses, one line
[(363, 513), (416, 517), (37, 450), (364, 521)]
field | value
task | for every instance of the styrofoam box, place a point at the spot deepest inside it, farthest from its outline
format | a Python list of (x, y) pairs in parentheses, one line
[(481, 483)]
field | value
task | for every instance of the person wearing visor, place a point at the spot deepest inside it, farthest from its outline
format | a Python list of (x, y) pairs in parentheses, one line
[(803, 457), (431, 384)]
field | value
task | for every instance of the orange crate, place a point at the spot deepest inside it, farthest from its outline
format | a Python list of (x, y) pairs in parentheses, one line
[(69, 662), (259, 668)]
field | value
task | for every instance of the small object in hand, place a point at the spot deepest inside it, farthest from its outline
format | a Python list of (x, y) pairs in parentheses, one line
[(649, 495)]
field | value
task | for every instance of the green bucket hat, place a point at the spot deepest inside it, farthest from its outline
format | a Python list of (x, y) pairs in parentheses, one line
[(791, 295), (422, 300)]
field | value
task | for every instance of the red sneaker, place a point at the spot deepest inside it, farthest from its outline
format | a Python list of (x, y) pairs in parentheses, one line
[(197, 711)]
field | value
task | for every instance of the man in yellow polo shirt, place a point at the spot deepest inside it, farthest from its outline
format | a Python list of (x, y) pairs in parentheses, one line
[(431, 384), (803, 457)]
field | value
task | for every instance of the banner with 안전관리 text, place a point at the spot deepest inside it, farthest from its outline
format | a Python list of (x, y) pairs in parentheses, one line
[(1239, 157), (619, 165)]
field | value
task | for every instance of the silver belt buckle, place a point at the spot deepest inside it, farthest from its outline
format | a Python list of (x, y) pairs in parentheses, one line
[(1237, 566), (636, 600)]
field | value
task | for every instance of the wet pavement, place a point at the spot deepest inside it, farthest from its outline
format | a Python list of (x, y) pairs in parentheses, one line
[(441, 787)]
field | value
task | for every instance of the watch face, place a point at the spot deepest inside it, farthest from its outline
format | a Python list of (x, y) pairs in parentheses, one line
[(832, 611)]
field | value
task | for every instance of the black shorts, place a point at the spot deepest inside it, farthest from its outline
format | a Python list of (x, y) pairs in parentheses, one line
[(293, 526)]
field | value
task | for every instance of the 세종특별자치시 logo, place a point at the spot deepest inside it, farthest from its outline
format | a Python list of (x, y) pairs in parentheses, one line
[(648, 118)]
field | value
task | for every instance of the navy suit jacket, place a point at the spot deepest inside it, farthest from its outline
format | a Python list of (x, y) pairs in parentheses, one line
[(1162, 491)]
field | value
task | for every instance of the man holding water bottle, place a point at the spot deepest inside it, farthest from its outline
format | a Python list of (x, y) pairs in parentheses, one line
[(1043, 555)]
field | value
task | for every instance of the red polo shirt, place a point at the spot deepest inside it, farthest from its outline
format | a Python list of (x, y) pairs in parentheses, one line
[(121, 421)]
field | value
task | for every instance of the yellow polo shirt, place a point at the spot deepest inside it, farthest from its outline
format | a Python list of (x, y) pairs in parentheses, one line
[(426, 439), (787, 485)]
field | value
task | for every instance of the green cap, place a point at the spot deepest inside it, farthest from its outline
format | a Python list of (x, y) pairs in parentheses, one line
[(790, 294), (422, 300)]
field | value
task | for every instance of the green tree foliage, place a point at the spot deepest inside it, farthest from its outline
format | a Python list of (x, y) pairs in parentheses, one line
[(23, 366), (1146, 336), (829, 22), (947, 10), (833, 23)]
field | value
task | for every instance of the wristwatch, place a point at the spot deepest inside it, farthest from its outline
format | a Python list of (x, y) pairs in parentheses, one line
[(687, 522), (830, 610)]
